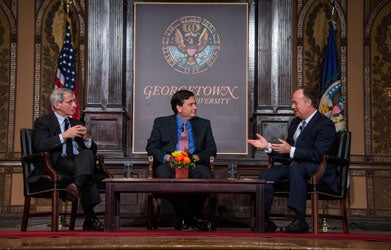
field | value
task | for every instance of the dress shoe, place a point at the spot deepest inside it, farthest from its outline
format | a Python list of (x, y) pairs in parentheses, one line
[(202, 224), (296, 226), (270, 226), (72, 192), (92, 223)]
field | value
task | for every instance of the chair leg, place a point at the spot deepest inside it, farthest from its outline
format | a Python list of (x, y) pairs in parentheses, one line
[(149, 211), (156, 211), (55, 198), (26, 212), (213, 207), (345, 227), (315, 213), (72, 221)]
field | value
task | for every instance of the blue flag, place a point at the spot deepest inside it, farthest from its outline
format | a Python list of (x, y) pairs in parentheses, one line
[(331, 103)]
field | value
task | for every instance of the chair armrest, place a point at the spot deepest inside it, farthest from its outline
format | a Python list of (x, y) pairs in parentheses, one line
[(323, 164), (337, 160), (150, 166), (33, 158), (320, 171), (49, 168), (44, 158), (102, 166), (211, 164), (273, 159)]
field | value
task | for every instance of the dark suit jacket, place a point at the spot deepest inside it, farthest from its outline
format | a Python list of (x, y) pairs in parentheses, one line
[(317, 138), (46, 138), (163, 138)]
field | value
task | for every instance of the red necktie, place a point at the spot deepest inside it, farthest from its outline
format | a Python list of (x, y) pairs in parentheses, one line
[(184, 139), (68, 142)]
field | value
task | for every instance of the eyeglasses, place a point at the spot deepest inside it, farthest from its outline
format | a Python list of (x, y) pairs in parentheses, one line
[(70, 101)]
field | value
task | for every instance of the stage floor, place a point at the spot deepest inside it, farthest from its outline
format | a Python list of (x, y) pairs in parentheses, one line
[(39, 237)]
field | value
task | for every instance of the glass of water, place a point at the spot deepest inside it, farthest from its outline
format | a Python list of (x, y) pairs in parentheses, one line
[(128, 170), (232, 171)]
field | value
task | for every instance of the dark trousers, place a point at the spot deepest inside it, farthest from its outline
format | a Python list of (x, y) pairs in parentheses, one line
[(297, 176), (80, 170), (186, 206)]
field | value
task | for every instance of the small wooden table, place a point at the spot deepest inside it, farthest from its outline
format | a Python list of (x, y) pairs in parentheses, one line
[(116, 186)]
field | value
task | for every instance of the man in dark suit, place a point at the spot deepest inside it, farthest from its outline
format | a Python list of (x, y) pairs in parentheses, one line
[(76, 162), (165, 139), (310, 135)]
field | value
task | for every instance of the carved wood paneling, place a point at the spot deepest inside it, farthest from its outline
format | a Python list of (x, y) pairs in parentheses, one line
[(107, 131), (106, 55)]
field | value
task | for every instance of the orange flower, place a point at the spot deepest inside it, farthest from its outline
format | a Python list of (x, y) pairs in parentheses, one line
[(186, 160), (182, 159)]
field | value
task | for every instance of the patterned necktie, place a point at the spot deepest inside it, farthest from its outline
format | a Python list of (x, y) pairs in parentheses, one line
[(303, 123), (184, 139), (298, 132), (68, 142)]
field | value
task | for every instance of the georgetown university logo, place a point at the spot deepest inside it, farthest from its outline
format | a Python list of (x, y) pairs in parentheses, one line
[(191, 45)]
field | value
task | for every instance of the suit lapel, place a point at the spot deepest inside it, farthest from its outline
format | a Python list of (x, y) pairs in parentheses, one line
[(194, 127), (308, 127), (54, 123), (173, 129)]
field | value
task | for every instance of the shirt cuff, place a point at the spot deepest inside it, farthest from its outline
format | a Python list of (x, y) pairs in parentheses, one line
[(88, 143), (269, 148), (61, 138), (292, 152)]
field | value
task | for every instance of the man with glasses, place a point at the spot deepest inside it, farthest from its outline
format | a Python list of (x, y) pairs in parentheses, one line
[(72, 153)]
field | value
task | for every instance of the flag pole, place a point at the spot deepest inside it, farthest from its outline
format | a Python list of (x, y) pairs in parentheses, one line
[(69, 3), (332, 9)]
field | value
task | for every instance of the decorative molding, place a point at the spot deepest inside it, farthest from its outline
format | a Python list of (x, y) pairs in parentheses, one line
[(376, 59), (10, 10)]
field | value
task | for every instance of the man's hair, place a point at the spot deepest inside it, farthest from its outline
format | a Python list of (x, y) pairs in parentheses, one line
[(58, 96), (311, 93), (179, 98)]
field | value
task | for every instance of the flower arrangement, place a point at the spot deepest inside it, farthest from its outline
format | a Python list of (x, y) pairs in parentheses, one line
[(182, 159)]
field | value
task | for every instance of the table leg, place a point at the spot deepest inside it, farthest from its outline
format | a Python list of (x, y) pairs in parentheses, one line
[(259, 209), (117, 201), (109, 207)]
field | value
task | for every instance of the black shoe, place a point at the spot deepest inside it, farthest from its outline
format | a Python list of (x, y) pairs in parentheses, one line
[(202, 224), (92, 223), (270, 226), (296, 226)]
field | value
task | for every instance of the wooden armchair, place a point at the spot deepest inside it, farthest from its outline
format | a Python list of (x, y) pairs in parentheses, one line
[(317, 191), (50, 186), (153, 201)]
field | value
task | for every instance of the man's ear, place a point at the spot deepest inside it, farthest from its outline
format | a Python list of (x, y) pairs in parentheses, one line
[(179, 108), (56, 105)]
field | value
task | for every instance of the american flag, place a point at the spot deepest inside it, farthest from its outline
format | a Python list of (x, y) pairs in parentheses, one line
[(66, 72)]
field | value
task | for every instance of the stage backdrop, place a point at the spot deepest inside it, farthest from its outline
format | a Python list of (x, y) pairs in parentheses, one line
[(194, 46)]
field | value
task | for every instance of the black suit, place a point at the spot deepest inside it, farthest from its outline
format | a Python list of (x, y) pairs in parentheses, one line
[(80, 169), (163, 141), (317, 138)]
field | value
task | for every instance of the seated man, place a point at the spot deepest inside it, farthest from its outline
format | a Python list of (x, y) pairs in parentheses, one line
[(310, 135), (166, 138), (72, 153)]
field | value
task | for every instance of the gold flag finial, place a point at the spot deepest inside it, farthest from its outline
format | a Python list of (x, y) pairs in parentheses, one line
[(68, 5)]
